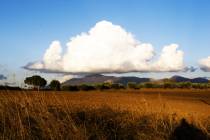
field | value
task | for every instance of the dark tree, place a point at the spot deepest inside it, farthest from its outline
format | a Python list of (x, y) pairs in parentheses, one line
[(35, 81), (55, 85)]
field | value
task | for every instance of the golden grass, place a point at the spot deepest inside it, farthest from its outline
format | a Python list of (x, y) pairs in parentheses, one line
[(146, 114)]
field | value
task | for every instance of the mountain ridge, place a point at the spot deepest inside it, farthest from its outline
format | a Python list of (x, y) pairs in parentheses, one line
[(178, 78), (99, 78)]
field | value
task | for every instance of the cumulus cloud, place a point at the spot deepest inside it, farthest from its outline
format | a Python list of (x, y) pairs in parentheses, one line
[(171, 59), (2, 77), (51, 61), (108, 48), (205, 64)]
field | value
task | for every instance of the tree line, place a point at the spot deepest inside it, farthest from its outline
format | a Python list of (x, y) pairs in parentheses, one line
[(37, 82)]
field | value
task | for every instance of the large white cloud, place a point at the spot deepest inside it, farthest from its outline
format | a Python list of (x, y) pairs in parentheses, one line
[(170, 59), (205, 64), (108, 48)]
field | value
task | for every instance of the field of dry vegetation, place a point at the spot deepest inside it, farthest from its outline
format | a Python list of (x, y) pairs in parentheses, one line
[(146, 114)]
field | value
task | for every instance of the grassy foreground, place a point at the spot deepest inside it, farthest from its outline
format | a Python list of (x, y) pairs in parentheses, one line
[(106, 115)]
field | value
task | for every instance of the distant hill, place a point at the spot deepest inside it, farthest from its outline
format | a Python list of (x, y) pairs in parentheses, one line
[(184, 79), (177, 78), (90, 79), (125, 80), (199, 80), (98, 78)]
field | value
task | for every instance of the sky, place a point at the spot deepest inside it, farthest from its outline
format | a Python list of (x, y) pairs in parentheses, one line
[(28, 27)]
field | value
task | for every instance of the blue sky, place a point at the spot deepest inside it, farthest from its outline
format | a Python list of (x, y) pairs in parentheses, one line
[(27, 27)]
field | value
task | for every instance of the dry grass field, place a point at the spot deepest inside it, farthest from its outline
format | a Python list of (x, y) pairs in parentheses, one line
[(146, 114)]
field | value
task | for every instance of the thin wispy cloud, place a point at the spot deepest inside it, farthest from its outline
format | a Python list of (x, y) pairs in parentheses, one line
[(108, 48), (190, 69)]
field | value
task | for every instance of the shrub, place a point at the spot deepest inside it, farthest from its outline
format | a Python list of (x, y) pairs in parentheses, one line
[(185, 85), (117, 86), (86, 87), (70, 88), (104, 86), (200, 85), (149, 85), (169, 85), (132, 85)]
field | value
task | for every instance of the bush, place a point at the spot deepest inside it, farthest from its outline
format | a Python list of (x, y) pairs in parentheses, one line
[(200, 85), (185, 85), (117, 86), (70, 88), (132, 85), (9, 88), (169, 85), (149, 85), (87, 87), (104, 86)]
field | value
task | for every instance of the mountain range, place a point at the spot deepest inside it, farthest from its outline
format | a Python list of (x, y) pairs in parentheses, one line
[(98, 78), (194, 80)]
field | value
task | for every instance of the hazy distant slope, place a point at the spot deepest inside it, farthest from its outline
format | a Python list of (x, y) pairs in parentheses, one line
[(98, 78), (199, 80), (90, 79), (177, 78), (184, 79), (125, 80)]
